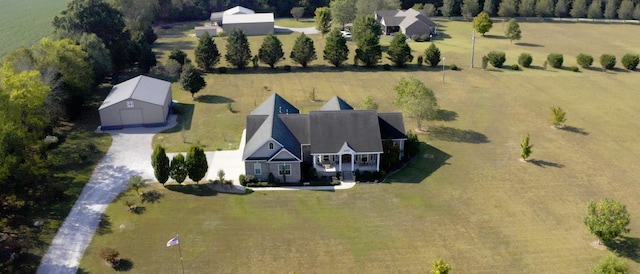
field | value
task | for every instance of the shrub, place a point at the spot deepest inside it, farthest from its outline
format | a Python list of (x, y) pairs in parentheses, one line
[(424, 37), (109, 254), (525, 60), (222, 70), (416, 37), (497, 58), (575, 69), (607, 61), (555, 60), (420, 60), (454, 67), (287, 68), (630, 61), (271, 179), (584, 60), (222, 33), (515, 67), (386, 67), (485, 62), (242, 180)]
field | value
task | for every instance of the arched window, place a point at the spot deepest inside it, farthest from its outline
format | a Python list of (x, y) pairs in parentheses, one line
[(270, 145)]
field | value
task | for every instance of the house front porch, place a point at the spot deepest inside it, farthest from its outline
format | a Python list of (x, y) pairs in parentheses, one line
[(331, 163)]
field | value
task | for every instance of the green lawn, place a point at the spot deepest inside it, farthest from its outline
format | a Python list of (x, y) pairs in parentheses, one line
[(292, 23), (473, 204), (23, 23)]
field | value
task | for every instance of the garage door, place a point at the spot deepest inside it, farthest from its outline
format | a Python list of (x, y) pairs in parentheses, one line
[(131, 116)]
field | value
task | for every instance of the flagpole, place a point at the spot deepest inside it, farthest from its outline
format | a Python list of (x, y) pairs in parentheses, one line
[(180, 250)]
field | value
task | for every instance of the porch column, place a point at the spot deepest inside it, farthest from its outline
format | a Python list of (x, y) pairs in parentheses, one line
[(353, 157), (340, 162), (378, 162)]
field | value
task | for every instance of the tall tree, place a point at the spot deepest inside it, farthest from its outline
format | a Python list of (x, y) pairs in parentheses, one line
[(636, 12), (206, 52), (416, 99), (160, 164), (323, 20), (364, 24), (399, 51), (447, 8), (178, 55), (343, 11), (432, 55), (138, 14), (470, 8), (270, 51), (99, 55), (489, 7), (366, 33), (508, 8), (610, 9), (607, 219), (197, 165), (191, 80), (482, 23), (595, 9), (335, 49), (178, 170), (579, 9), (303, 50), (544, 8), (429, 9), (562, 8), (238, 51), (513, 31), (625, 12), (368, 7), (527, 8), (100, 18), (297, 12)]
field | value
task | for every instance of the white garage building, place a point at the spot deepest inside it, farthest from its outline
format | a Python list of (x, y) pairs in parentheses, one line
[(141, 101), (251, 24)]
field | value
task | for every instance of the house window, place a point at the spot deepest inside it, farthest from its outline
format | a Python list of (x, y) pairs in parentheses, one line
[(363, 158), (271, 146), (284, 169), (325, 158), (257, 169)]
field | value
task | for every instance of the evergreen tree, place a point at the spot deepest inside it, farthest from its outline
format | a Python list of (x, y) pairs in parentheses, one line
[(489, 7), (303, 50), (270, 51), (526, 148), (364, 24), (197, 165), (579, 9), (527, 8), (482, 23), (595, 10), (191, 80), (178, 55), (625, 12), (432, 55), (508, 8), (562, 8), (160, 163), (399, 51), (178, 170), (323, 20), (470, 8), (610, 9), (544, 8), (366, 33), (636, 12), (238, 51), (206, 52), (335, 49), (513, 31)]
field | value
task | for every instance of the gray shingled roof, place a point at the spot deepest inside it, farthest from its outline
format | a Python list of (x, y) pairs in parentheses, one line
[(331, 129), (391, 126), (298, 125), (336, 103)]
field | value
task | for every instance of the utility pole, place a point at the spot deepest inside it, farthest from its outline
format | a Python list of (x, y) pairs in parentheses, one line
[(473, 46)]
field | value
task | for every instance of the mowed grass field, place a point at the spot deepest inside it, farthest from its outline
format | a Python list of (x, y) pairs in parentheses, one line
[(473, 204), (23, 23)]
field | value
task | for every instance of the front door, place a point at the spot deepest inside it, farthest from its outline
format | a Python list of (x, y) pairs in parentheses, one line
[(346, 158)]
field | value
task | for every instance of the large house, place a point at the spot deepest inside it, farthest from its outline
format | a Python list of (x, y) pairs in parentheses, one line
[(335, 138), (410, 22), (238, 17)]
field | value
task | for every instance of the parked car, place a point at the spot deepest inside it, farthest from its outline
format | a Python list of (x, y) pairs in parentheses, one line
[(345, 34)]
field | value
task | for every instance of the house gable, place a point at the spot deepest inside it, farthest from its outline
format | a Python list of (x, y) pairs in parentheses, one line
[(284, 156)]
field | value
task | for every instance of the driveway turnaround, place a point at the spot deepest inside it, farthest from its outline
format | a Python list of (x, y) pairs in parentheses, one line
[(129, 154)]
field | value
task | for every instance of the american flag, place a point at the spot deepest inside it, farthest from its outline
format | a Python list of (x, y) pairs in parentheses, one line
[(173, 241)]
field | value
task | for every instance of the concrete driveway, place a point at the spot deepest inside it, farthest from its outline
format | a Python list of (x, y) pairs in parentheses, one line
[(280, 29)]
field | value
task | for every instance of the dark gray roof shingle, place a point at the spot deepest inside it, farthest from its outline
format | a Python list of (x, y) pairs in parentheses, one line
[(331, 129), (391, 126), (336, 103)]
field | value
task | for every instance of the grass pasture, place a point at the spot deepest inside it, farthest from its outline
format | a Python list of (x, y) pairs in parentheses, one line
[(473, 204), (23, 23)]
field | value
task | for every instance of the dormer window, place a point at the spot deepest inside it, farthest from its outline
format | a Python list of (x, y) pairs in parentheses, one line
[(271, 146)]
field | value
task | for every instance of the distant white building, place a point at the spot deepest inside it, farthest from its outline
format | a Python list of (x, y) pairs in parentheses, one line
[(238, 17)]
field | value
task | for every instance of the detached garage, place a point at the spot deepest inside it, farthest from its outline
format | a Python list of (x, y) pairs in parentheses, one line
[(141, 101)]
